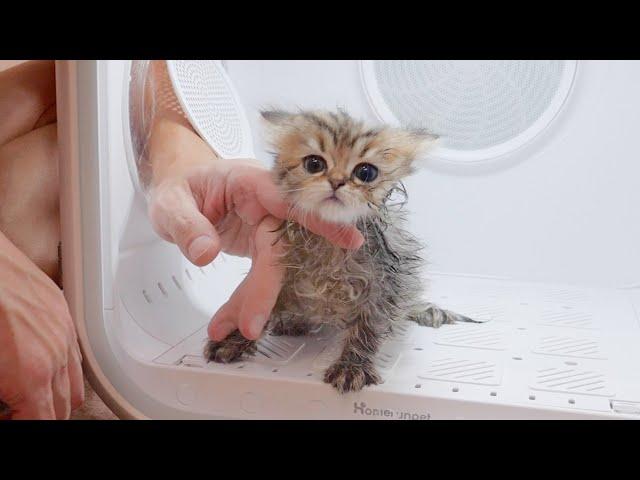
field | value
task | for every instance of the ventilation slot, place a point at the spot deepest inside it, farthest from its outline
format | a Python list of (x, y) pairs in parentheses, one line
[(192, 361), (562, 317), (565, 296), (569, 347), (273, 349), (146, 296), (451, 369), (477, 336), (566, 379)]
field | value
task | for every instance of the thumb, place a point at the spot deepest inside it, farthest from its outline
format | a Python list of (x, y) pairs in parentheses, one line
[(176, 218)]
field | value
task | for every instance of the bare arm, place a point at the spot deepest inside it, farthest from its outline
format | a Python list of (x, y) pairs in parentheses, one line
[(175, 153), (206, 204), (40, 361), (27, 98)]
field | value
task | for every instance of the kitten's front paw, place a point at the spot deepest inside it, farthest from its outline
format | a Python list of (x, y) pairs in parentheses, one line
[(230, 349), (347, 377)]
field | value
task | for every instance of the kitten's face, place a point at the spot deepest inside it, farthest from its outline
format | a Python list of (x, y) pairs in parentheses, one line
[(335, 167)]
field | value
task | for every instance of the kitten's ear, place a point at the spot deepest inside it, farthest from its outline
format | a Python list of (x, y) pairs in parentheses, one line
[(276, 118), (422, 140), (412, 144), (273, 116), (276, 123)]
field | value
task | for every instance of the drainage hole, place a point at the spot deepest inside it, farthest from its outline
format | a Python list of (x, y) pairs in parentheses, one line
[(517, 358), (175, 281), (417, 385), (571, 363), (240, 366), (275, 370), (309, 374), (418, 348), (572, 401), (494, 394), (455, 389), (532, 397), (161, 288), (188, 274)]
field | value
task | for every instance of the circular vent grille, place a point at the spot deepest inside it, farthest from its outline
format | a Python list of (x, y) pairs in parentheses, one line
[(479, 109), (207, 96)]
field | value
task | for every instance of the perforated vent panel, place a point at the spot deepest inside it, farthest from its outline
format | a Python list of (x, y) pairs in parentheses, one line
[(278, 349), (566, 317), (570, 346), (471, 105), (473, 336), (462, 370), (207, 96), (569, 379)]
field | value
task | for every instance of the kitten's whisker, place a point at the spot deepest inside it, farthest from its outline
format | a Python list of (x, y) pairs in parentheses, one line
[(292, 190)]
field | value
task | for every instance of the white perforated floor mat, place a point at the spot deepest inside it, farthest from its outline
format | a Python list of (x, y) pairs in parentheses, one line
[(542, 346)]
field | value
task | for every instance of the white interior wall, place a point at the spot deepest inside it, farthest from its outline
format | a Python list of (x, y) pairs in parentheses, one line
[(564, 208)]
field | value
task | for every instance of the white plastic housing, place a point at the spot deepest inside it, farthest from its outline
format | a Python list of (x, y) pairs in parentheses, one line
[(543, 243)]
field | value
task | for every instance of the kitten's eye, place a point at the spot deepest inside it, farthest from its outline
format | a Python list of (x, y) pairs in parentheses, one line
[(365, 172), (314, 163)]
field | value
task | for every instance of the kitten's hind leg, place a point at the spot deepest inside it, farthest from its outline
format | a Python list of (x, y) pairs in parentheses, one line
[(230, 349), (430, 315)]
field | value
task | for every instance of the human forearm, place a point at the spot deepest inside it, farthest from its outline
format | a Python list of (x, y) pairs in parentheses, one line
[(27, 98), (173, 148)]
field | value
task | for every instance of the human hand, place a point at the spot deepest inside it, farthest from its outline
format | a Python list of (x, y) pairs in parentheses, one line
[(234, 206), (40, 361), (205, 204)]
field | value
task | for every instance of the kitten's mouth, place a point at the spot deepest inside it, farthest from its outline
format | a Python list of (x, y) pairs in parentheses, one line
[(333, 199)]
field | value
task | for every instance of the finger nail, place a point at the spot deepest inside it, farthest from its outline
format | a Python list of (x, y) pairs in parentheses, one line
[(255, 329), (200, 246)]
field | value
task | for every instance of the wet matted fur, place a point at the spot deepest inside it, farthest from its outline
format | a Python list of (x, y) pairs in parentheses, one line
[(331, 165)]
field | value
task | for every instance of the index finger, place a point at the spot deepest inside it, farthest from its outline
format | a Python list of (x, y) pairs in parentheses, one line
[(260, 184)]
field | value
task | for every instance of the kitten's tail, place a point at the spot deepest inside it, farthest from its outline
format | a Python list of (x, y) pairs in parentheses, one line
[(430, 315)]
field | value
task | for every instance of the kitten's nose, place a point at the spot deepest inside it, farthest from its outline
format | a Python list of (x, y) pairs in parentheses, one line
[(336, 183)]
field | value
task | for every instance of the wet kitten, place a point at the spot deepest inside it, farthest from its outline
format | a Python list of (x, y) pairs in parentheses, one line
[(338, 168)]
